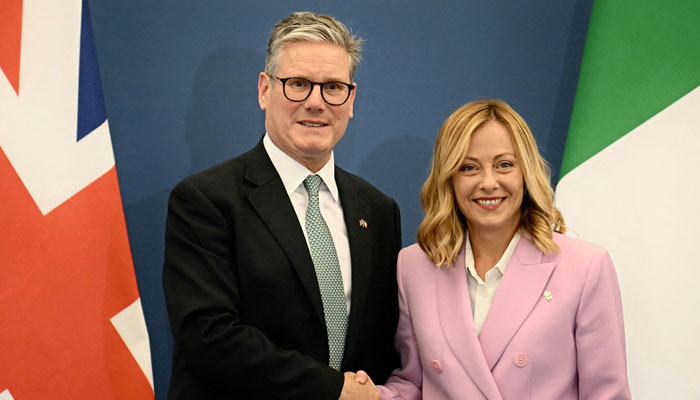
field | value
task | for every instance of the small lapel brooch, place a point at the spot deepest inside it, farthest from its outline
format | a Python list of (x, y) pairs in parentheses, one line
[(547, 295), (363, 223)]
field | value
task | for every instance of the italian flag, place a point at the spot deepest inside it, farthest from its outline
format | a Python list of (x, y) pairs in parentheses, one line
[(630, 180)]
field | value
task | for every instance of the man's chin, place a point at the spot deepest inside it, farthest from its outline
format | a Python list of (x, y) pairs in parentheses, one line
[(315, 147)]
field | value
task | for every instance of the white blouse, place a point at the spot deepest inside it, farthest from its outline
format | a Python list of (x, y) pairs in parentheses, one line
[(481, 293)]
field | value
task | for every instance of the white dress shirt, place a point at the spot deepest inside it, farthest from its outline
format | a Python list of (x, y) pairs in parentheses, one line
[(481, 293), (293, 175)]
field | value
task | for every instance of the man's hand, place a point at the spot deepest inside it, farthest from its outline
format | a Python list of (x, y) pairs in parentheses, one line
[(361, 377), (359, 386)]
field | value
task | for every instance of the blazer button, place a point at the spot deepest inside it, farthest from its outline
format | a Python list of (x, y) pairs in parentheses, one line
[(520, 359), (436, 366)]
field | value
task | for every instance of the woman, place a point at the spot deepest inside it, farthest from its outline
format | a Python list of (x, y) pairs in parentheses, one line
[(495, 301)]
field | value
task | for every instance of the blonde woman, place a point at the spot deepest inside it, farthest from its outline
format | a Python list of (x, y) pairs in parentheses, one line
[(495, 302)]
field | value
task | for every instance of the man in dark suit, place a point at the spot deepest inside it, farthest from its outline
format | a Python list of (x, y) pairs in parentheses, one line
[(279, 266)]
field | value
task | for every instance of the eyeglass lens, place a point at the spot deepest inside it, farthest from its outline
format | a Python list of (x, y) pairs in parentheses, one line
[(334, 93)]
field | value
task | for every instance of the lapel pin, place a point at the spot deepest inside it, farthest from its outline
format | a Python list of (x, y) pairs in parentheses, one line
[(363, 223), (547, 295)]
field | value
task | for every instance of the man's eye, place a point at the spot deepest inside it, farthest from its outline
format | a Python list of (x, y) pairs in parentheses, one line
[(298, 83), (332, 87)]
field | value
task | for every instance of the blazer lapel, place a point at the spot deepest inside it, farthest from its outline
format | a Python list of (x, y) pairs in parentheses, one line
[(520, 289), (360, 240), (454, 310), (269, 199)]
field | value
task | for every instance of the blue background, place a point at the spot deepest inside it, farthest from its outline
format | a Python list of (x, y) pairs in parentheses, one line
[(180, 87)]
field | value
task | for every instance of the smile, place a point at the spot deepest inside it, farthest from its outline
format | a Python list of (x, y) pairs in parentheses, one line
[(312, 124), (489, 202)]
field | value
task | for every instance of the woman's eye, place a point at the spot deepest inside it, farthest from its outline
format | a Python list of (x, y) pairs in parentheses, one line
[(505, 164), (467, 168)]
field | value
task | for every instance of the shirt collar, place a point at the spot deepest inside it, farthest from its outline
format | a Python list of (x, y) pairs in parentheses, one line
[(293, 173), (502, 262)]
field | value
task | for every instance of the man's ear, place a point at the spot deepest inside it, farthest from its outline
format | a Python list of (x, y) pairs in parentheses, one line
[(351, 100), (263, 90)]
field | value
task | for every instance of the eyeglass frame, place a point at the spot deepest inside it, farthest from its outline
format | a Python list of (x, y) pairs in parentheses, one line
[(350, 87)]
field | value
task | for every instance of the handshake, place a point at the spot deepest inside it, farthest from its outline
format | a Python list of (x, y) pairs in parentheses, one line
[(359, 386)]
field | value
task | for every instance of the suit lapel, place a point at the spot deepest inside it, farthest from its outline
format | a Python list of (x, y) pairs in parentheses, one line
[(454, 310), (522, 286), (269, 199), (360, 239)]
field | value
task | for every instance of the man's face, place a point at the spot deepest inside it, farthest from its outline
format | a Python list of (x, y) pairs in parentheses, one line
[(308, 130)]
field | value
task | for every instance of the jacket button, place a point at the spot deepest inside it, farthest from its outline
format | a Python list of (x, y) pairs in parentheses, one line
[(520, 359), (436, 366)]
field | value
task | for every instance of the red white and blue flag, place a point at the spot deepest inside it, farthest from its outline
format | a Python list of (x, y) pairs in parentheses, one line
[(71, 323)]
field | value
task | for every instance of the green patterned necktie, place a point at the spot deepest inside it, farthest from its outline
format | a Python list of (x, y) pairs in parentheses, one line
[(330, 281)]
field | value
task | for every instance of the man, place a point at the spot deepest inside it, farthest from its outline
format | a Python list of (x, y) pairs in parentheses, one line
[(279, 266)]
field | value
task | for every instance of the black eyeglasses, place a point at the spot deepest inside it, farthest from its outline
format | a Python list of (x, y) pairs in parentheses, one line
[(299, 89)]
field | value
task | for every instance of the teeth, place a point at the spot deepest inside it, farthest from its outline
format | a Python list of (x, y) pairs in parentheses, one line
[(489, 202), (311, 124)]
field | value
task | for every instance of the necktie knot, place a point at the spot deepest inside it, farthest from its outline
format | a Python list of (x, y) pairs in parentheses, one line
[(312, 183)]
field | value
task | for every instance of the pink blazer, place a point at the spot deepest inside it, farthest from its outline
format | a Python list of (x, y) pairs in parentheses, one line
[(571, 346)]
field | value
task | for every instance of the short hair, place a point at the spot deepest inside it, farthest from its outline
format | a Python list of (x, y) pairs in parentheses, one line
[(441, 234), (311, 27)]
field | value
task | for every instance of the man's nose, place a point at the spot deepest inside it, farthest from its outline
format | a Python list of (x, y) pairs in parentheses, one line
[(315, 100)]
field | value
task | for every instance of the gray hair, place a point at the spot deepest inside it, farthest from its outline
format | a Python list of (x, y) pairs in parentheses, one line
[(311, 27)]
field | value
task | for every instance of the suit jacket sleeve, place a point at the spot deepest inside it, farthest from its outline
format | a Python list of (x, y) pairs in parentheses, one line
[(202, 296), (406, 382), (600, 336)]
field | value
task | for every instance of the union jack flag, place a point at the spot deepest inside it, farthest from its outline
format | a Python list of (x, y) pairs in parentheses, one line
[(71, 323)]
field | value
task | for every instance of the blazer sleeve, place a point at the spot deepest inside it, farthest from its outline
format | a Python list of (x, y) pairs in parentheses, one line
[(202, 298), (406, 382), (600, 335)]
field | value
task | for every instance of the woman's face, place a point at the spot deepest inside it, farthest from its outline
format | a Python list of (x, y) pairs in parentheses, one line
[(489, 184)]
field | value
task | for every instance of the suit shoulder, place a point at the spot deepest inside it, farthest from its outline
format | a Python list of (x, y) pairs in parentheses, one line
[(579, 252), (413, 257), (568, 243), (367, 189), (227, 174), (415, 270), (414, 251)]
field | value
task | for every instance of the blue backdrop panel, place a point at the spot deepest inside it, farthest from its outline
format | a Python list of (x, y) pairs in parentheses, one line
[(180, 87)]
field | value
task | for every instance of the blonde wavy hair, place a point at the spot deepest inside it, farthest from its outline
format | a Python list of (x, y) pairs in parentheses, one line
[(441, 234)]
